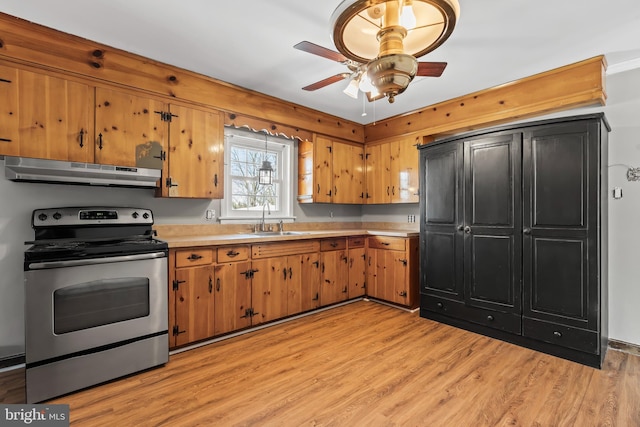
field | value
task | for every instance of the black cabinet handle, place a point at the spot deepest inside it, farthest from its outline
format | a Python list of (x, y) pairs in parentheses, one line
[(194, 257), (284, 271), (318, 189), (344, 291), (215, 180), (440, 305), (81, 136), (290, 272), (232, 253), (210, 284), (467, 229), (333, 244), (526, 231), (317, 297), (218, 284), (5, 140), (100, 141), (316, 263), (385, 243), (461, 227), (490, 318), (557, 334)]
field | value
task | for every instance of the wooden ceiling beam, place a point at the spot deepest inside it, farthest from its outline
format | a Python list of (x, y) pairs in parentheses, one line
[(572, 86)]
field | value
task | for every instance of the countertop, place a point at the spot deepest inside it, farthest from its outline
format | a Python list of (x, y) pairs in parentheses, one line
[(177, 241)]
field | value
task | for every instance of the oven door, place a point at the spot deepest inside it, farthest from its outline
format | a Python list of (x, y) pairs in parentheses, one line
[(76, 306)]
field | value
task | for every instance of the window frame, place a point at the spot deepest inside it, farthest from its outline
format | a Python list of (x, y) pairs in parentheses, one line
[(256, 141)]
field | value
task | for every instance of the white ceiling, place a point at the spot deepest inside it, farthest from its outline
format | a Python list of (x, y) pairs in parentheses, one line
[(250, 43)]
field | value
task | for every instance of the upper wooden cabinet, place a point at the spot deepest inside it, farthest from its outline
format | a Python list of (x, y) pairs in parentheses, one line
[(392, 171), (330, 171), (45, 117), (194, 166), (130, 130)]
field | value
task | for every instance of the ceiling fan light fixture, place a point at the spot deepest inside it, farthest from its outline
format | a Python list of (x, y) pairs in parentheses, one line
[(391, 74), (352, 88), (356, 31)]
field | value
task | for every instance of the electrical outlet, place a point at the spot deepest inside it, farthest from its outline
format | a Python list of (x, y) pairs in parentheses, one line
[(210, 214), (331, 214)]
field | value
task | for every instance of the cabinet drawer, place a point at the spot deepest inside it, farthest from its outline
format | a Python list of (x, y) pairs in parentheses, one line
[(266, 250), (508, 322), (356, 242), (566, 336), (391, 243), (233, 253), (333, 244), (189, 258)]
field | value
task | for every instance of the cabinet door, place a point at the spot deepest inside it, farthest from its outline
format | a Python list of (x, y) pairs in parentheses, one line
[(493, 219), (334, 285), (303, 283), (322, 170), (129, 130), (194, 304), (196, 154), (45, 117), (232, 297), (561, 178), (404, 170), (357, 272), (347, 162), (269, 289), (442, 226), (378, 161), (396, 277)]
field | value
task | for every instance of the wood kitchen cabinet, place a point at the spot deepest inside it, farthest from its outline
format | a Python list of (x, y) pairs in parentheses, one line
[(392, 269), (131, 129), (392, 171), (232, 296), (43, 116), (194, 304), (514, 237), (195, 160), (336, 169), (334, 267), (357, 266)]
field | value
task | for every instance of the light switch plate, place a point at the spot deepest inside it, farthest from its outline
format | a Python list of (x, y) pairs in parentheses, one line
[(617, 193)]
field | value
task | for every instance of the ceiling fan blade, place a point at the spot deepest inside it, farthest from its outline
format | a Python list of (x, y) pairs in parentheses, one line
[(326, 82), (431, 69), (320, 51)]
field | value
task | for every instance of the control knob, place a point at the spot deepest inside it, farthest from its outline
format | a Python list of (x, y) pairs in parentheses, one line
[(135, 215), (57, 215), (145, 215), (42, 217)]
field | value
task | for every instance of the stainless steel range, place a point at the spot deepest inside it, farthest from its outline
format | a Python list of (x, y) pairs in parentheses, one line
[(96, 298)]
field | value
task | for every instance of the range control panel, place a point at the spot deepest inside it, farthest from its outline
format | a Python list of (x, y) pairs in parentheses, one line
[(54, 217)]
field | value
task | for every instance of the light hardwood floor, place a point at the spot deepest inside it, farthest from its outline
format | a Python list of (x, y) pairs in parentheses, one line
[(366, 364)]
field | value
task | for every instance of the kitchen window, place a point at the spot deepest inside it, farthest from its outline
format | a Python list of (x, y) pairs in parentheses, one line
[(246, 199)]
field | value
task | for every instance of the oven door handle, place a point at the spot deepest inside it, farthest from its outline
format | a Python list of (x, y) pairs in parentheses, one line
[(95, 261)]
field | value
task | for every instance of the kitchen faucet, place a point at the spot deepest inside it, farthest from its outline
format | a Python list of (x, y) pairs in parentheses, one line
[(263, 226)]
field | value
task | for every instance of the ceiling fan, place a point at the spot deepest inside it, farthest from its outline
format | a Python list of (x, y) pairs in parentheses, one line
[(380, 40)]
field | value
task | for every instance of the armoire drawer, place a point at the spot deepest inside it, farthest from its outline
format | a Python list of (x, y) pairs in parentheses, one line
[(566, 336), (508, 322)]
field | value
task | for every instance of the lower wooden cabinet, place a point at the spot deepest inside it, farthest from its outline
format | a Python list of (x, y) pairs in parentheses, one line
[(392, 269), (194, 304), (357, 267), (232, 287), (334, 262)]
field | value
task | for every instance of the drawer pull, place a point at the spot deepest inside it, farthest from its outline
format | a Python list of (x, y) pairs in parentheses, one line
[(490, 318), (440, 305), (333, 244), (557, 334), (194, 257), (232, 253), (217, 284), (385, 243)]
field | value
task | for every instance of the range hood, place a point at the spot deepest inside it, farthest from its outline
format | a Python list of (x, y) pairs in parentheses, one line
[(54, 171)]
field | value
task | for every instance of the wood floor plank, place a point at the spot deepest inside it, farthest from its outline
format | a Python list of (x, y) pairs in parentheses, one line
[(366, 364)]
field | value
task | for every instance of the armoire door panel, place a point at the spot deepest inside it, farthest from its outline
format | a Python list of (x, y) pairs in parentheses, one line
[(559, 178), (491, 184), (442, 264), (559, 279), (492, 277), (442, 187)]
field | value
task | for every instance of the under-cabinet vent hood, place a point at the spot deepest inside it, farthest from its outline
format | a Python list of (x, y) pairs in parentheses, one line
[(54, 171)]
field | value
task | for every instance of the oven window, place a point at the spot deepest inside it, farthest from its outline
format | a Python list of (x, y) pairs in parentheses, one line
[(100, 302)]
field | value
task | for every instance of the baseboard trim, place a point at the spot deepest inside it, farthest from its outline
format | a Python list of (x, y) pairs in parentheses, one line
[(624, 347)]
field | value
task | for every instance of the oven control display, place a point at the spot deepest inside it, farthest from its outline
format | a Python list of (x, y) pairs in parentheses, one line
[(92, 215)]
